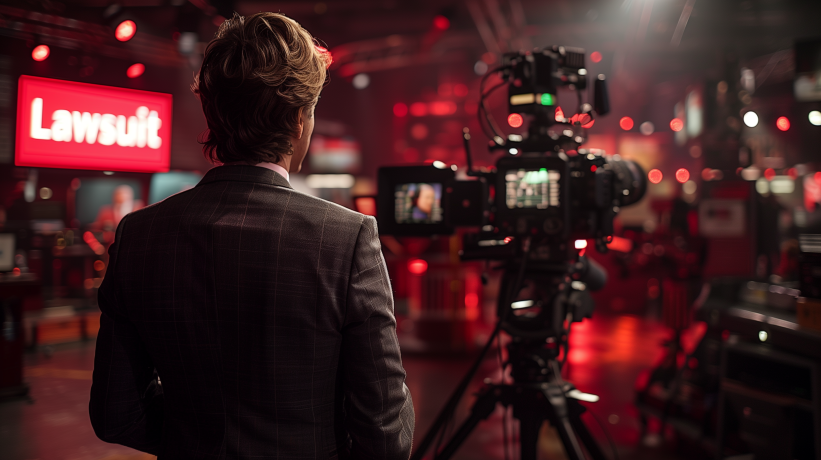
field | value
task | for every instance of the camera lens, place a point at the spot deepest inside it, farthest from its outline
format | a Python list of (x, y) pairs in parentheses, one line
[(629, 184)]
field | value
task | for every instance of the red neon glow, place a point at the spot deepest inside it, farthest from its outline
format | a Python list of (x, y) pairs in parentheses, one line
[(655, 176), (135, 70), (595, 56), (441, 22), (471, 300), (620, 244), (626, 123), (769, 173), (400, 109), (676, 124), (40, 53), (783, 123), (682, 175), (417, 266), (125, 30), (419, 109), (71, 125), (515, 120), (559, 114), (508, 239)]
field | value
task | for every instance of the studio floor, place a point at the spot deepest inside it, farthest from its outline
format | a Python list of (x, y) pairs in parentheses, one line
[(607, 355)]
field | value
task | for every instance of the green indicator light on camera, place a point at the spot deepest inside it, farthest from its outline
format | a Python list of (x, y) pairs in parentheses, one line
[(548, 99)]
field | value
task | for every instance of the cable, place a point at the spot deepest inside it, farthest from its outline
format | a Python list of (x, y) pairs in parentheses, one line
[(606, 434), (483, 109)]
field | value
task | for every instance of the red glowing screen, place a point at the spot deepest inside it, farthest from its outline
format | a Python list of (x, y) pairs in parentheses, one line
[(63, 124)]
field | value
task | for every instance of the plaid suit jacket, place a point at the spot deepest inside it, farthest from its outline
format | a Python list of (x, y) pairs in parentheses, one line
[(267, 315)]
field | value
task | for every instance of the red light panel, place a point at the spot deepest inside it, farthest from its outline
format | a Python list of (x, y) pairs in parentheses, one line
[(135, 70), (62, 124), (769, 173), (626, 123), (595, 56), (676, 124), (400, 109), (515, 120), (620, 244), (783, 123), (682, 175), (441, 22), (125, 30), (40, 53), (417, 266), (655, 176)]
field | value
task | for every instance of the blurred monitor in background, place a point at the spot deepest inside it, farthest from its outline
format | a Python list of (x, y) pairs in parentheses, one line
[(807, 84), (334, 155), (102, 203), (164, 185)]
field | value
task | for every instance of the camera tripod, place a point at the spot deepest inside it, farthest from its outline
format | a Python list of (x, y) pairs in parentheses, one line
[(538, 393)]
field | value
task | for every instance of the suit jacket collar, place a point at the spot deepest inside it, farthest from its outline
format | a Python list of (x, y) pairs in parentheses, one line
[(245, 173)]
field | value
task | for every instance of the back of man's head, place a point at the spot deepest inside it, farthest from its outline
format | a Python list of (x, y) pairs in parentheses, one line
[(256, 75)]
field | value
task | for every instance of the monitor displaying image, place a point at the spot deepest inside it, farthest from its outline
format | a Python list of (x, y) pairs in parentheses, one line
[(537, 188), (418, 203)]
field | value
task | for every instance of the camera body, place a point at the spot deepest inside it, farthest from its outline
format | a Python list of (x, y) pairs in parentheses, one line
[(544, 187)]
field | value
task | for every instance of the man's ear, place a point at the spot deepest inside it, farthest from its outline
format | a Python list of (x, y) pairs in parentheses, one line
[(300, 124)]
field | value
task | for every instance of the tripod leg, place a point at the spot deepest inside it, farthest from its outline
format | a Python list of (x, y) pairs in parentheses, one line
[(482, 408), (529, 436), (587, 439), (571, 443), (557, 406)]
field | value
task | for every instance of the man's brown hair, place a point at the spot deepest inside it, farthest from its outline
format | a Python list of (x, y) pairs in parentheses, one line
[(256, 75)]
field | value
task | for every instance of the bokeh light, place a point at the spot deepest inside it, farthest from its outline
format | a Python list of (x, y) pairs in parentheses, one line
[(515, 120), (626, 123), (40, 53), (682, 175), (135, 70), (655, 176), (676, 124), (783, 123), (125, 30)]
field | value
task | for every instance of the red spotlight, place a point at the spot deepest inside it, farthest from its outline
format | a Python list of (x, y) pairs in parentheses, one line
[(417, 266), (655, 176), (676, 124), (769, 173), (626, 123), (783, 123), (595, 56), (682, 175), (125, 30), (400, 109), (135, 70), (515, 120), (441, 22), (40, 53)]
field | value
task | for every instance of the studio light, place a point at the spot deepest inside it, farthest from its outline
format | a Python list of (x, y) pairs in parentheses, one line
[(125, 30), (40, 53), (815, 117), (751, 119)]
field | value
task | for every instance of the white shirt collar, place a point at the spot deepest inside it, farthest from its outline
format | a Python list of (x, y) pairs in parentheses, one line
[(277, 169)]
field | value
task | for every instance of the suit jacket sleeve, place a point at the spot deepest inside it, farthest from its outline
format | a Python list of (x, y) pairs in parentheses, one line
[(126, 398), (378, 405)]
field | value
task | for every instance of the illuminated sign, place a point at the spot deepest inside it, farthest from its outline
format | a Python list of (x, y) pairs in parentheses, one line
[(63, 124)]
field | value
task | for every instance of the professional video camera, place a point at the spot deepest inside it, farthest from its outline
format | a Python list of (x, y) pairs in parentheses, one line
[(541, 203)]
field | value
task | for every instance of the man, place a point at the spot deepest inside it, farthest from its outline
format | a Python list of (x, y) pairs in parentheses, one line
[(242, 319)]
